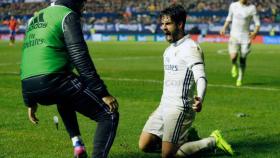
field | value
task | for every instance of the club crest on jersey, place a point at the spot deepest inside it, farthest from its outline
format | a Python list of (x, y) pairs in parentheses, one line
[(167, 59), (175, 54)]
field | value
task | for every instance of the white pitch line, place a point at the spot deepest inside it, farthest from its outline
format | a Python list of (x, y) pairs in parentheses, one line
[(210, 85), (103, 59), (8, 64), (9, 73), (225, 52), (222, 51), (243, 87), (128, 58), (160, 82), (132, 80)]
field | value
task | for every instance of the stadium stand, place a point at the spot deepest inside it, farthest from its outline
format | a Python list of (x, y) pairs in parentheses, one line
[(267, 8), (141, 16)]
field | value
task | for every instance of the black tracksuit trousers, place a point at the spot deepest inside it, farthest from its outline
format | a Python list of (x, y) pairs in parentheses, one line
[(70, 96)]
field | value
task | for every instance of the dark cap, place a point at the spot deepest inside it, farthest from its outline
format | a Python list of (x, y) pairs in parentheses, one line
[(75, 5)]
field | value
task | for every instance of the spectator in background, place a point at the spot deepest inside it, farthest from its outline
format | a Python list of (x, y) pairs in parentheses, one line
[(128, 13), (269, 9)]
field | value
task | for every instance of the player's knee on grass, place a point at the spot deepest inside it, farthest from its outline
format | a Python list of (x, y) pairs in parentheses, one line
[(145, 143), (168, 150), (144, 146), (149, 142)]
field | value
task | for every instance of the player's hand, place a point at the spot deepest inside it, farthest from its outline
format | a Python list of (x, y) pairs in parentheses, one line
[(197, 106), (31, 114), (111, 102), (253, 35), (223, 31)]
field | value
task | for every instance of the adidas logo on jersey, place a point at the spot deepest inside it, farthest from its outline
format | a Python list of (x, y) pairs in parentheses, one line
[(37, 22)]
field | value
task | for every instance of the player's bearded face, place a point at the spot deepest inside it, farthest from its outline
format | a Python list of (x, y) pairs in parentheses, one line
[(170, 29)]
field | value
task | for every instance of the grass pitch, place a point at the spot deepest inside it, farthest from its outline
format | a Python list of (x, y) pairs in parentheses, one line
[(133, 73)]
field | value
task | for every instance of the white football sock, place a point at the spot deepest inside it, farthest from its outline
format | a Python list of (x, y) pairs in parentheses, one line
[(240, 73), (190, 148), (77, 139)]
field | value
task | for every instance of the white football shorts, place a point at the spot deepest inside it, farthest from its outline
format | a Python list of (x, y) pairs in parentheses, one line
[(236, 45), (171, 125)]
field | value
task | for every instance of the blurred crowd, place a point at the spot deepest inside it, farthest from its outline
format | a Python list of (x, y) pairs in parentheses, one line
[(21, 8), (146, 11)]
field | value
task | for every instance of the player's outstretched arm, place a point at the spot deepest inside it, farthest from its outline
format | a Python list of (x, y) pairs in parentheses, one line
[(254, 33), (256, 19), (195, 60), (201, 84), (227, 22), (224, 28)]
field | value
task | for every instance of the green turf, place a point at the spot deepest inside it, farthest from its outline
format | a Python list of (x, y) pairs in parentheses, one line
[(257, 135)]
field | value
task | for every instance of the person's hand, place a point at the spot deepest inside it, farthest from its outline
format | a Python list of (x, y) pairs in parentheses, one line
[(197, 105), (111, 102), (223, 31), (253, 35), (31, 114)]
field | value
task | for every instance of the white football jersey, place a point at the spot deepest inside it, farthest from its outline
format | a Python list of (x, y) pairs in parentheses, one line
[(179, 85), (241, 17)]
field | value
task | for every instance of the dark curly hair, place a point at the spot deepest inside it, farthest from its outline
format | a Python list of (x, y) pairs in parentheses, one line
[(176, 12)]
